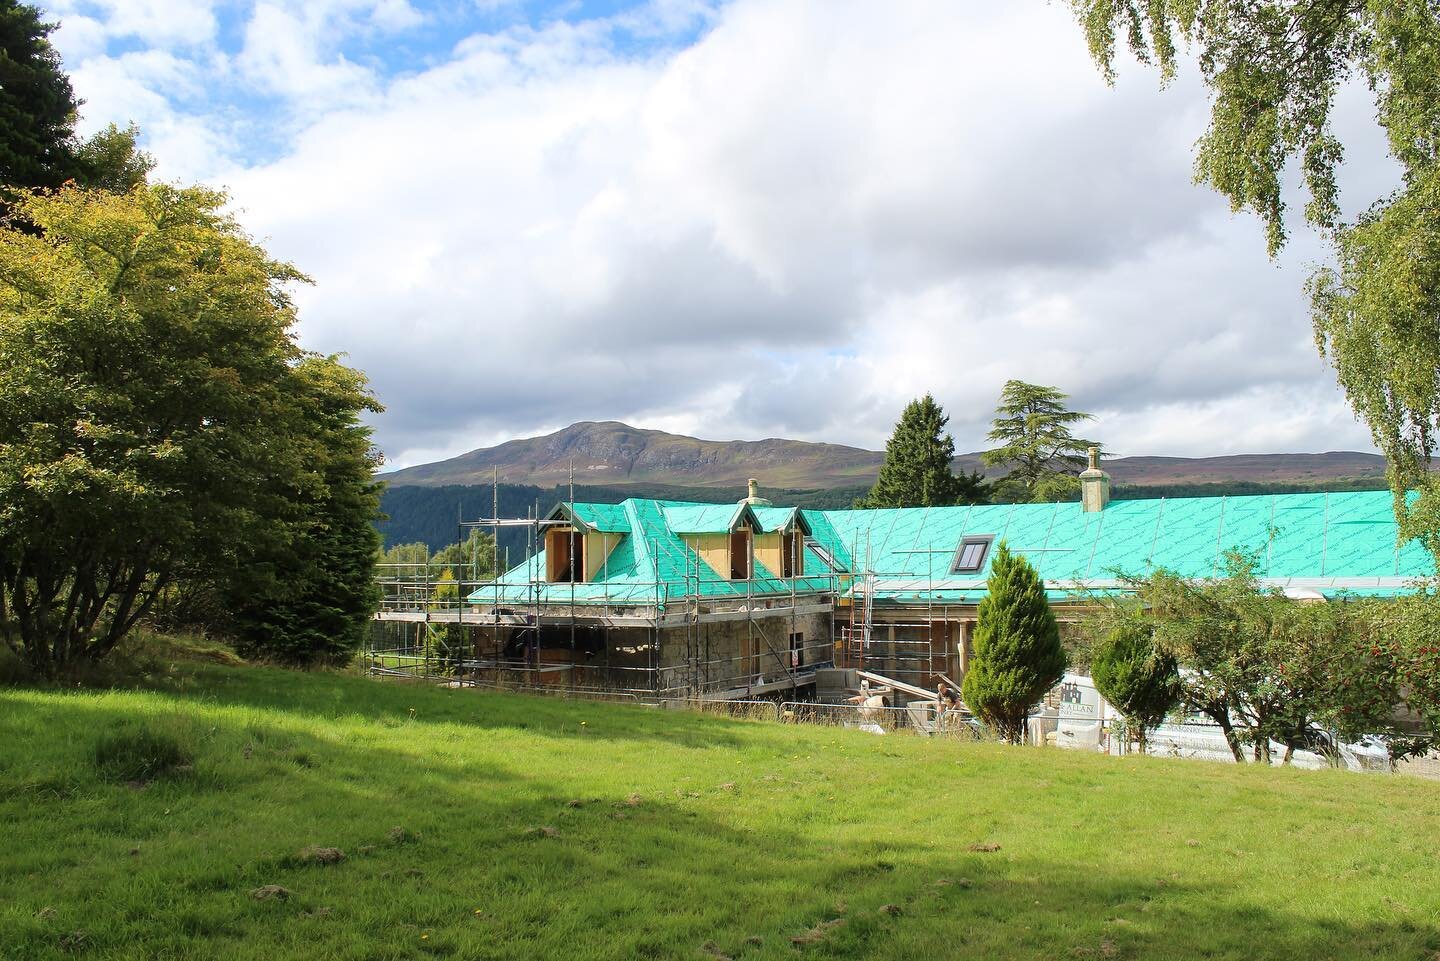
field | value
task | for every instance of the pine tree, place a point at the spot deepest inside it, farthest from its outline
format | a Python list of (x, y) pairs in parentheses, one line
[(37, 104), (1141, 681), (916, 472), (1032, 425), (1018, 656)]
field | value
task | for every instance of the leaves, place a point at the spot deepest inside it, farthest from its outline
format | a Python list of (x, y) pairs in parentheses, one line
[(1018, 656), (1032, 425), (158, 422), (917, 471)]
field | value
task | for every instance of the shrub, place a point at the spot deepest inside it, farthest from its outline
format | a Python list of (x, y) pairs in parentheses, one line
[(139, 754), (1018, 656), (1141, 681)]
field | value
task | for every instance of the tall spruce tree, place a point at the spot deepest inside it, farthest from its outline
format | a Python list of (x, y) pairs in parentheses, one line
[(37, 103), (917, 472), (1018, 656)]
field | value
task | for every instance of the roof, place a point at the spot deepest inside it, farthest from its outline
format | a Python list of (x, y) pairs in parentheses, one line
[(1321, 542), (1326, 542), (650, 563)]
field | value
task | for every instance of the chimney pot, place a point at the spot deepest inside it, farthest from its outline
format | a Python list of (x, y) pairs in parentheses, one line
[(1094, 485)]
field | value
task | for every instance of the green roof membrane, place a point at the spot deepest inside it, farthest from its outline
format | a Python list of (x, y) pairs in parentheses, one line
[(1338, 542)]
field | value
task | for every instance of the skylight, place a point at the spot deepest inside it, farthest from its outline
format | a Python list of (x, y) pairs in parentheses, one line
[(970, 555)]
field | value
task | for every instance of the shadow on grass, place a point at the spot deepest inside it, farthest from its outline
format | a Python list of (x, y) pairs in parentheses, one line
[(498, 860), (328, 695)]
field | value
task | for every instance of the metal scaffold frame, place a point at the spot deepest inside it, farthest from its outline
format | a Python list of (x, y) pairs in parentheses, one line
[(452, 640)]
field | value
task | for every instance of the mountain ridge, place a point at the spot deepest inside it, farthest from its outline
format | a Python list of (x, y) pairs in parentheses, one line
[(618, 455)]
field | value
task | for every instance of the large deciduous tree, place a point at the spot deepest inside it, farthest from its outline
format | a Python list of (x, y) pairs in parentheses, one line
[(917, 470), (1273, 68), (1042, 458), (158, 423), (1018, 656)]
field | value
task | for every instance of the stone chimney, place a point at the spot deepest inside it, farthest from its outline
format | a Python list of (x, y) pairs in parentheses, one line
[(1094, 485), (755, 499)]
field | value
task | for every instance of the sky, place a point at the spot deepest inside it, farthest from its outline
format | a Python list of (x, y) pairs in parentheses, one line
[(735, 220)]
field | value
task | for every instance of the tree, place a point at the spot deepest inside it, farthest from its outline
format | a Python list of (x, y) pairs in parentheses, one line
[(1140, 680), (473, 558), (112, 160), (1018, 656), (1032, 426), (917, 471), (1267, 669), (305, 592), (158, 422), (1273, 68), (37, 105)]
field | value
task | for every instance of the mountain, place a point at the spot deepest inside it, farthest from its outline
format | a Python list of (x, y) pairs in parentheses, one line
[(610, 453), (615, 455)]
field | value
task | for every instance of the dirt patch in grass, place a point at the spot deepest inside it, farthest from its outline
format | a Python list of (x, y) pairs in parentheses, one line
[(271, 892), (319, 855)]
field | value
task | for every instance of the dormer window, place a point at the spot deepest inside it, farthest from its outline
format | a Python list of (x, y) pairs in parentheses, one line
[(740, 549), (564, 556), (970, 555)]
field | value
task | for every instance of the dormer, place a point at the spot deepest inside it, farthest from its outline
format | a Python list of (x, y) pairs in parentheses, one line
[(780, 547), (576, 548)]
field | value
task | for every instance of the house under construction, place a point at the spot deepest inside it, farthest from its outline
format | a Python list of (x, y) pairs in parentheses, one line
[(664, 599)]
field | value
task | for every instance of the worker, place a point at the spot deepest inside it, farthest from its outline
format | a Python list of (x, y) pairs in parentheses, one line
[(946, 700)]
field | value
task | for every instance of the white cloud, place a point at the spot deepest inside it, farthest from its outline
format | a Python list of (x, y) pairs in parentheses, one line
[(818, 210)]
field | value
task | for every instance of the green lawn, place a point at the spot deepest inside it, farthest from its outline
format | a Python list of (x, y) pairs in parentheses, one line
[(540, 828)]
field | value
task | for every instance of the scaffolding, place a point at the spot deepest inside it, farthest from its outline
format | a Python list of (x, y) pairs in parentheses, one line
[(659, 640), (918, 642)]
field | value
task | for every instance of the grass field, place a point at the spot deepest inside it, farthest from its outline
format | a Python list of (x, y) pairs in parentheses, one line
[(480, 825)]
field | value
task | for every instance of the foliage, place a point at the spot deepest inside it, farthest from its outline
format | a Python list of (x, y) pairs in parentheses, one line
[(473, 558), (112, 160), (157, 422), (304, 591), (1032, 426), (1018, 656), (1268, 669), (1273, 68), (917, 469), (37, 104), (1132, 674)]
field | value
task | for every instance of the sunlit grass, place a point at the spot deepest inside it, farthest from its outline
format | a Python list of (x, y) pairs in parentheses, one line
[(483, 825)]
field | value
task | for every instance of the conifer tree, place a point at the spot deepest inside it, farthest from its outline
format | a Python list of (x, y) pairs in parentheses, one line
[(1139, 679), (37, 103), (1018, 656), (916, 472)]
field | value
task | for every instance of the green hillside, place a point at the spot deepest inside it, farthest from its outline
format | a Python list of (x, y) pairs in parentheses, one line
[(482, 826)]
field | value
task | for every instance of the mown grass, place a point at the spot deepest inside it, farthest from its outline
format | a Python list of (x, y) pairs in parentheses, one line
[(483, 825)]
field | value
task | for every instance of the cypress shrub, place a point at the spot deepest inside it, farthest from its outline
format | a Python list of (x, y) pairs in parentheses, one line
[(1018, 656)]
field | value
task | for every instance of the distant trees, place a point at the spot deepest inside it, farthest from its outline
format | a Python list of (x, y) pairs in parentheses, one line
[(1018, 656), (1141, 680), (159, 425), (917, 470), (1042, 458)]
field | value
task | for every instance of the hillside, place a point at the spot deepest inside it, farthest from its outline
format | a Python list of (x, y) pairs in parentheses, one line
[(488, 826), (611, 453), (615, 455)]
